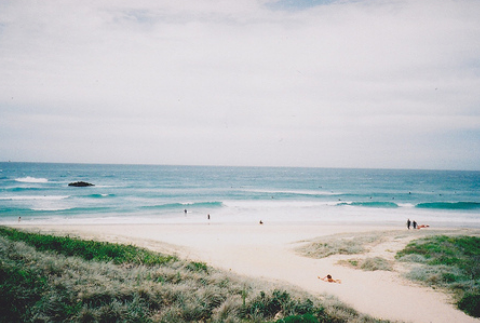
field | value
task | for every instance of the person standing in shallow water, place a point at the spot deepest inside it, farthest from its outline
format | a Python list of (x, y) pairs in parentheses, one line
[(408, 224), (414, 223)]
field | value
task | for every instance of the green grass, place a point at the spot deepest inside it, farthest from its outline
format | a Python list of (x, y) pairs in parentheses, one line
[(52, 279), (451, 262), (88, 250), (306, 318)]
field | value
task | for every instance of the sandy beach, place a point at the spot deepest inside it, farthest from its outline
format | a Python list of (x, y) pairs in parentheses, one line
[(268, 252)]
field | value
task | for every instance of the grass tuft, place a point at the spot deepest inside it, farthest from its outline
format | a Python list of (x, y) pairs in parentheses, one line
[(368, 264), (332, 245)]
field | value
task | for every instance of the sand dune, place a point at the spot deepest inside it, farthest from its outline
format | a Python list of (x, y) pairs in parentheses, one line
[(267, 251)]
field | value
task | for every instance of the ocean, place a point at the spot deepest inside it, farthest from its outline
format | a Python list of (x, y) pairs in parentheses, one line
[(39, 192)]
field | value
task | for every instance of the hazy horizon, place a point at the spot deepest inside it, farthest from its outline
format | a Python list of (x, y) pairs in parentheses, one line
[(247, 166)]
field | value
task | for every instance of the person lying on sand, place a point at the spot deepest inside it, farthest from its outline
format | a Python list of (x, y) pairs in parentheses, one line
[(329, 279), (422, 226)]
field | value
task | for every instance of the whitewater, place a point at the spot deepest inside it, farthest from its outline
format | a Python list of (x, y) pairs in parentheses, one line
[(39, 192)]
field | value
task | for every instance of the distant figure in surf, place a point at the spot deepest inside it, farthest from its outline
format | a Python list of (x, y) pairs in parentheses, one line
[(408, 224), (261, 222), (185, 211), (414, 224), (208, 216)]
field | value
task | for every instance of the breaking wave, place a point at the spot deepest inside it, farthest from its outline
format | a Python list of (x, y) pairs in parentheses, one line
[(29, 179), (371, 204), (184, 205), (450, 206)]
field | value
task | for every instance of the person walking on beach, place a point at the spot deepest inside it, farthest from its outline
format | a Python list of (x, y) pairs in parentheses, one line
[(414, 224), (408, 224)]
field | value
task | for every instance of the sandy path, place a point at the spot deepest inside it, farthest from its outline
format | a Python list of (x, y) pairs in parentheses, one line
[(267, 252)]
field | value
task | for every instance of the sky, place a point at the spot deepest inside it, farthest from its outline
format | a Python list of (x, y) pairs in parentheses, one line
[(307, 83)]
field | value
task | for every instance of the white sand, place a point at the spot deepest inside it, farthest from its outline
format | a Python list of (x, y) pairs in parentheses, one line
[(266, 251)]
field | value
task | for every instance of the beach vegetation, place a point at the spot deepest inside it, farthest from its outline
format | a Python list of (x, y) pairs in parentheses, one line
[(469, 303), (450, 262), (57, 283), (368, 264), (306, 318), (340, 245), (88, 250)]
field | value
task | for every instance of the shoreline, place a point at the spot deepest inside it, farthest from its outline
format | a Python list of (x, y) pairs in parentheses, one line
[(267, 252), (225, 220)]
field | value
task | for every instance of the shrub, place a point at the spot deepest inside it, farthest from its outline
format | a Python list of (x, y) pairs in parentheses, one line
[(470, 304), (20, 289), (306, 318)]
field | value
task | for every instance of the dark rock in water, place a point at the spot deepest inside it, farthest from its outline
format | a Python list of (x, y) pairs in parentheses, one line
[(80, 184)]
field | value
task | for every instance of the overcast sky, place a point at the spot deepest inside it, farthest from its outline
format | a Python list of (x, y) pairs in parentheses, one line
[(361, 83)]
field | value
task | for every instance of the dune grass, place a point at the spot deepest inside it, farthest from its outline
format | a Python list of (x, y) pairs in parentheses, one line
[(451, 262), (340, 245), (44, 278), (88, 250), (368, 264)]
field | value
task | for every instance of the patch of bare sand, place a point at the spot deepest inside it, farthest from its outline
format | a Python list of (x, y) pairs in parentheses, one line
[(267, 251)]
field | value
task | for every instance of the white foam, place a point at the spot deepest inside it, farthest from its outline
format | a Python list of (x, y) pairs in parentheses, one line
[(29, 179), (33, 197), (302, 192), (406, 205), (50, 208), (278, 204)]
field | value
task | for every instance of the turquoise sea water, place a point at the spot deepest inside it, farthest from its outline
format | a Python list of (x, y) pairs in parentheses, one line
[(144, 193)]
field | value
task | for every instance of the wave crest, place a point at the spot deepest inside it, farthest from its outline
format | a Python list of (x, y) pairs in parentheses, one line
[(29, 179), (35, 197), (372, 204), (184, 205), (450, 205)]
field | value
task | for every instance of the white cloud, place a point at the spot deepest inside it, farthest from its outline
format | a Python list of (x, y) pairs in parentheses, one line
[(236, 82)]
